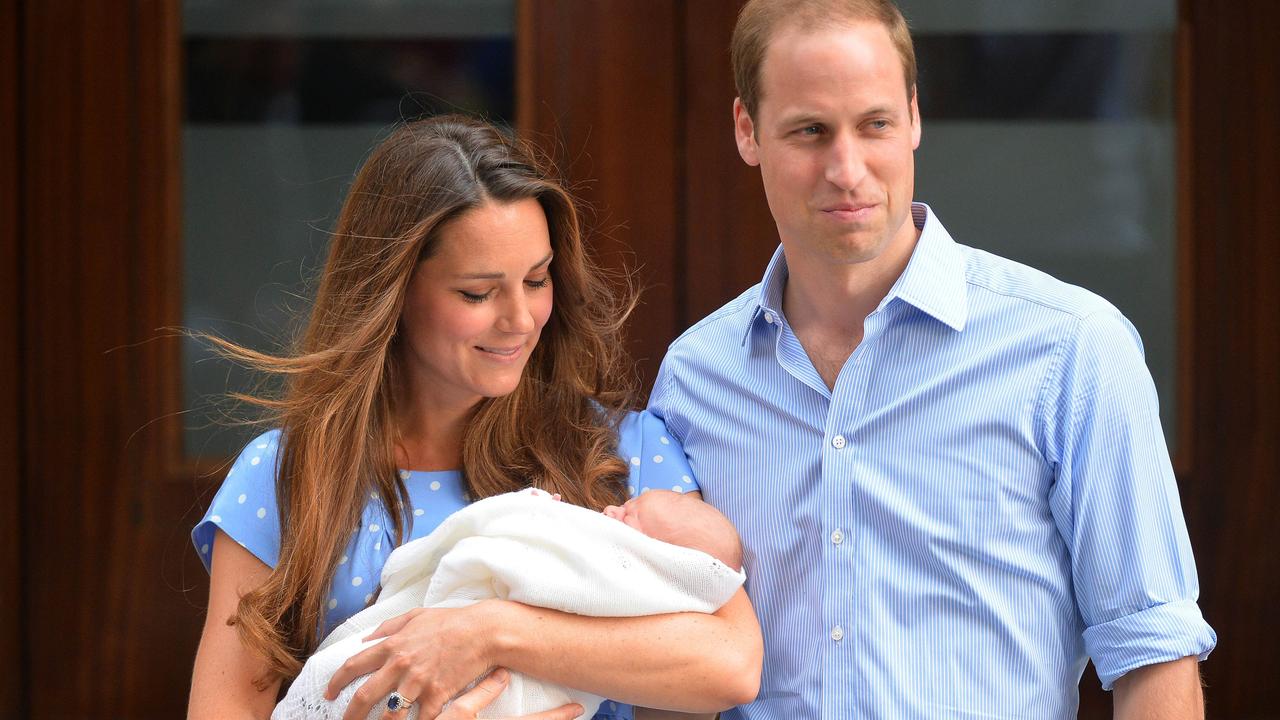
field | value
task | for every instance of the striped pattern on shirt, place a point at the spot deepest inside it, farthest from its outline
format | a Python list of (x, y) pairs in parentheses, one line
[(983, 501)]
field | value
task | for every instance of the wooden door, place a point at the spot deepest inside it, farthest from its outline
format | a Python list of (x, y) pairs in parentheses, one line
[(105, 609)]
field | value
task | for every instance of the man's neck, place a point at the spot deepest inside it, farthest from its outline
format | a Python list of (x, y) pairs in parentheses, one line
[(826, 306)]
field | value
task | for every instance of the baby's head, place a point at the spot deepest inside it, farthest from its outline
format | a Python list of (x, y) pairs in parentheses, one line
[(682, 520)]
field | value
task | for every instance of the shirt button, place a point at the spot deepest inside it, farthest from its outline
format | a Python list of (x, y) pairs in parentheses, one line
[(837, 633), (837, 537), (837, 442), (768, 317)]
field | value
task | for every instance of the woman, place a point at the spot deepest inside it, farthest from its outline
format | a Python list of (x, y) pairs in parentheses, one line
[(461, 345)]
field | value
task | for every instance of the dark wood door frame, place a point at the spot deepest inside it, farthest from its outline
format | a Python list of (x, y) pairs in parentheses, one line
[(108, 601)]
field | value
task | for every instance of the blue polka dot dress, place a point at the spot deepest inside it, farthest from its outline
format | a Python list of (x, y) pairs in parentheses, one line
[(245, 509)]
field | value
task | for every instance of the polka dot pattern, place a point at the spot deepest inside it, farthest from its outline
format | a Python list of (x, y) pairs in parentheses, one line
[(246, 510)]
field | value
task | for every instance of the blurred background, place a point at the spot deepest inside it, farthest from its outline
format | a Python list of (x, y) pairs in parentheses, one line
[(179, 163)]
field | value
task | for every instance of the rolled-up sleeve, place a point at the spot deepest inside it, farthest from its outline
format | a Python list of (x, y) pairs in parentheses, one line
[(1115, 502)]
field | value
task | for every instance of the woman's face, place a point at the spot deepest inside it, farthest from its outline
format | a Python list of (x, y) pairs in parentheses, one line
[(474, 310)]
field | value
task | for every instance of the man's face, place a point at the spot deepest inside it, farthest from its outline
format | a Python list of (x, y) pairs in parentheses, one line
[(834, 138)]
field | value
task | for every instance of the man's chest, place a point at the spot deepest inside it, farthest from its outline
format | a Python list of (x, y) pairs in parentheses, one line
[(891, 450)]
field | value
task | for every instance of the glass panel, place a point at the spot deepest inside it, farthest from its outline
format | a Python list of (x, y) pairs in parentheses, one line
[(1049, 138), (283, 101)]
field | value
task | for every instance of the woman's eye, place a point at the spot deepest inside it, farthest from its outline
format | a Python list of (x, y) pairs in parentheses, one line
[(538, 283), (473, 297)]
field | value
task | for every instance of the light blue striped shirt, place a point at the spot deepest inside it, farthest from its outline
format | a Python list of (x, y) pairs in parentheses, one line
[(983, 502)]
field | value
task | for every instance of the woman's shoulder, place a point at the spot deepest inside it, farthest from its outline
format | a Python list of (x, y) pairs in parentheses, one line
[(245, 505), (655, 458)]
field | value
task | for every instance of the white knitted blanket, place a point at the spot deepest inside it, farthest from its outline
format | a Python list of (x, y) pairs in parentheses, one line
[(525, 547)]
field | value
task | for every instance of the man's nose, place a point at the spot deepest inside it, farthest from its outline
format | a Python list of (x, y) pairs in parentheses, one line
[(846, 163)]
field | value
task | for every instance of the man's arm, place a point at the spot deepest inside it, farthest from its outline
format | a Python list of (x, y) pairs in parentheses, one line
[(1164, 691)]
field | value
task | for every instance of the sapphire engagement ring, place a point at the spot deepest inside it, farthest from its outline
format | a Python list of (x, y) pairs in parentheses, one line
[(397, 702)]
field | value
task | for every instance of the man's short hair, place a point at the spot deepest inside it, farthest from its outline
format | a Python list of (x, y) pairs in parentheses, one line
[(760, 20)]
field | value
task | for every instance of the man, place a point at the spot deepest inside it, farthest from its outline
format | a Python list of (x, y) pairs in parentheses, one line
[(947, 468)]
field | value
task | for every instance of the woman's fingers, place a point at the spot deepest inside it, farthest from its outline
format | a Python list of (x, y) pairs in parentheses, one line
[(392, 626), (426, 655), (470, 703), (362, 663), (374, 690)]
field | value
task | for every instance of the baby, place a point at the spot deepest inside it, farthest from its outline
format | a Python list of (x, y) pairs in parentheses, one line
[(660, 552), (682, 520)]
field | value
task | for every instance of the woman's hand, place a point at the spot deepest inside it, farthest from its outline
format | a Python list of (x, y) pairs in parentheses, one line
[(469, 704), (428, 656)]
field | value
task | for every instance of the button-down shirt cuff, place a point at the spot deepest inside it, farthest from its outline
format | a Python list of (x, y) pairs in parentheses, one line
[(1158, 634)]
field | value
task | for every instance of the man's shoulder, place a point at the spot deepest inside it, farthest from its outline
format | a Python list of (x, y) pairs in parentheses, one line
[(726, 324), (1010, 282)]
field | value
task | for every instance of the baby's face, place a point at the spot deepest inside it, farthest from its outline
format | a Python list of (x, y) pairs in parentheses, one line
[(649, 511)]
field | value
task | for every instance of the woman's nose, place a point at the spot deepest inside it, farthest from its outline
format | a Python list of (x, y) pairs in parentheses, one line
[(516, 317)]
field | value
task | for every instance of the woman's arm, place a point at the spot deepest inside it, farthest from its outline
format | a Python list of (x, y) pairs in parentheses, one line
[(693, 662), (222, 684), (651, 714)]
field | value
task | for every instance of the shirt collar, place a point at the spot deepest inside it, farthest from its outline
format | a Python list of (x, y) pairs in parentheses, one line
[(933, 282)]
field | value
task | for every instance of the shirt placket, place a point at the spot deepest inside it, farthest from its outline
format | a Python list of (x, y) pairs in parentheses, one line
[(842, 470)]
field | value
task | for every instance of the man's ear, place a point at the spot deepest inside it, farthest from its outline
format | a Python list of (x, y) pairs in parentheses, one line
[(744, 132), (915, 119)]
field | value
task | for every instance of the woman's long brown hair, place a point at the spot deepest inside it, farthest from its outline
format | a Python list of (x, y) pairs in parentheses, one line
[(557, 430)]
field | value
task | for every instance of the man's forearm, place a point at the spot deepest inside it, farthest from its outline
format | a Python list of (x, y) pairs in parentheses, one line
[(1164, 691), (691, 662)]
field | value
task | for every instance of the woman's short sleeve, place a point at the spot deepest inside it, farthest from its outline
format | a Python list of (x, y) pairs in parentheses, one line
[(655, 457), (245, 506), (657, 462)]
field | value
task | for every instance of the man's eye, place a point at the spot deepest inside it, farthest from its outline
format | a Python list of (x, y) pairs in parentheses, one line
[(811, 130)]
